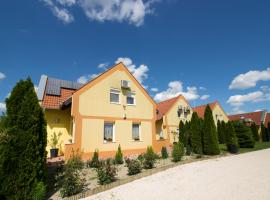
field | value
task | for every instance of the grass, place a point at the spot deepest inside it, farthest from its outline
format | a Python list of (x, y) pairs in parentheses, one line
[(258, 146)]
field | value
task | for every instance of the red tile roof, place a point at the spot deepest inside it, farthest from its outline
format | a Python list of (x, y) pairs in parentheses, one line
[(200, 109), (267, 119), (164, 106), (255, 116), (54, 101)]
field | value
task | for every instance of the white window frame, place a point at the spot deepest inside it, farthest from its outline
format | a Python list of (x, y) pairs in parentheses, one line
[(133, 95), (140, 136), (113, 134), (73, 130), (161, 134), (116, 91)]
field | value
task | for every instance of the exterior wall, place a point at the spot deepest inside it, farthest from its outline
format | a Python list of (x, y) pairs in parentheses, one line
[(219, 114), (91, 107), (58, 121)]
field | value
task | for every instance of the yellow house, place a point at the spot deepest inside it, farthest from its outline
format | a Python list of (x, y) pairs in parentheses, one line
[(112, 109), (170, 113), (217, 110)]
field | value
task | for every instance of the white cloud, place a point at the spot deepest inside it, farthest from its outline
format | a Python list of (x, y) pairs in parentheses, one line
[(2, 107), (249, 79), (2, 76), (140, 73), (204, 97), (239, 100), (103, 65), (85, 78), (131, 11), (236, 110), (175, 88), (202, 88), (62, 13), (154, 89)]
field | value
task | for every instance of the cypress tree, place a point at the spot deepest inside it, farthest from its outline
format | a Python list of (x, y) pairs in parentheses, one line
[(244, 135), (196, 138), (188, 138), (254, 130), (231, 139), (263, 133), (210, 134), (23, 155), (219, 132), (267, 137), (223, 132), (182, 132)]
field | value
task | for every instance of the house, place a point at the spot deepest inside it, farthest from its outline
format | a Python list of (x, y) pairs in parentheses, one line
[(218, 113), (258, 118), (111, 110), (169, 115), (267, 120)]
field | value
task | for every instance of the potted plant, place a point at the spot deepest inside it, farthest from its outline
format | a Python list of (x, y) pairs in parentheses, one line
[(54, 143)]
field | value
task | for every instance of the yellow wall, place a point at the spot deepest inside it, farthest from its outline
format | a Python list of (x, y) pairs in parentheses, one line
[(98, 96), (92, 136), (58, 121), (222, 116)]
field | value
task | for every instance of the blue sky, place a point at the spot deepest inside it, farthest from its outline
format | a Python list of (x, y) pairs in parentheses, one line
[(207, 50)]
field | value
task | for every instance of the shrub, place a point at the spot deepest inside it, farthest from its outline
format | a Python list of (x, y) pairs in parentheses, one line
[(119, 156), (134, 167), (71, 180), (254, 130), (231, 139), (164, 153), (106, 173), (244, 135), (94, 163), (149, 158), (210, 141), (141, 158), (177, 152), (39, 191)]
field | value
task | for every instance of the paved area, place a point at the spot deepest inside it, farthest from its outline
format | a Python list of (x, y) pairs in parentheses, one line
[(239, 177)]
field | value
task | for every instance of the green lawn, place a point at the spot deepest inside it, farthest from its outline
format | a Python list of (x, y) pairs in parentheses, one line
[(258, 146)]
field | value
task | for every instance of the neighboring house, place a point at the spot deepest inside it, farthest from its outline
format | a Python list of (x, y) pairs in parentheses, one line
[(169, 115), (267, 120), (258, 118), (110, 110), (217, 110)]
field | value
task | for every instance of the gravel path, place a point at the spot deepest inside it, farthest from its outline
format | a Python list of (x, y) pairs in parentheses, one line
[(240, 177)]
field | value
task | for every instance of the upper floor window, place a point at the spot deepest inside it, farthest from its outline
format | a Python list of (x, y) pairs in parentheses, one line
[(131, 98), (115, 96), (109, 132)]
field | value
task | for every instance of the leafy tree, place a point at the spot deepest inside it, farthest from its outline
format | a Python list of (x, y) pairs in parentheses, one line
[(231, 139), (196, 138), (23, 154), (210, 140), (254, 130), (182, 132), (244, 135), (119, 156)]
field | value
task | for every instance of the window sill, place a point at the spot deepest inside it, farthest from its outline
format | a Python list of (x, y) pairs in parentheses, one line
[(131, 104), (115, 103), (137, 141), (105, 142)]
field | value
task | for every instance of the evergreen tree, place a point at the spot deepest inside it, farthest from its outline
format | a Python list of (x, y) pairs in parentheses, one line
[(23, 155), (231, 139), (254, 130), (268, 129), (188, 138), (223, 132), (182, 132), (263, 133), (244, 135), (210, 134), (196, 138), (219, 132)]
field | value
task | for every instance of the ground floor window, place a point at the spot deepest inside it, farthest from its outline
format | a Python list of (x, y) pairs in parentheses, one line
[(136, 132), (161, 135), (109, 132)]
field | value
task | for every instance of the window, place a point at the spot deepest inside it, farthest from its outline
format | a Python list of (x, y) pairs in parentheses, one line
[(161, 135), (108, 132), (115, 96), (136, 132), (131, 98)]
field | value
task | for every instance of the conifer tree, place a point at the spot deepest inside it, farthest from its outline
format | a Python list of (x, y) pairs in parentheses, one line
[(182, 132), (23, 155), (263, 133), (244, 135), (210, 140), (254, 130), (196, 138), (231, 139), (223, 131), (219, 131)]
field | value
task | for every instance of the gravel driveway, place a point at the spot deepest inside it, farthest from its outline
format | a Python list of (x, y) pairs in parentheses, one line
[(240, 177)]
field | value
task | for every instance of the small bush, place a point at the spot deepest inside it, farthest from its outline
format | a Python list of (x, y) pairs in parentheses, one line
[(177, 152), (164, 153), (141, 158), (106, 174), (39, 191), (94, 163), (134, 167), (119, 156), (71, 180), (149, 158)]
